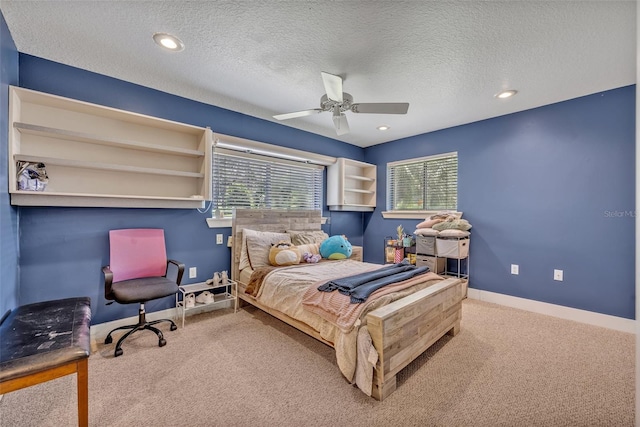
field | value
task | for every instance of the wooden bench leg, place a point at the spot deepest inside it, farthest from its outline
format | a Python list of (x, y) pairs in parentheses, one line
[(83, 392), (80, 367)]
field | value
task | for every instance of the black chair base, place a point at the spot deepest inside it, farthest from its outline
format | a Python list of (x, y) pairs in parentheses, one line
[(141, 325)]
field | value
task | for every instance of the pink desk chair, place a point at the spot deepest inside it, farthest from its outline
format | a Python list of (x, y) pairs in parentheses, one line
[(137, 274)]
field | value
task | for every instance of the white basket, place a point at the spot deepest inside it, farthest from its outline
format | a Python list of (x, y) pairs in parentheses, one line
[(452, 247)]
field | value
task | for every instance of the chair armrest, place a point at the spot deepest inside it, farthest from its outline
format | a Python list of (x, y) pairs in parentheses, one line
[(108, 281), (180, 269)]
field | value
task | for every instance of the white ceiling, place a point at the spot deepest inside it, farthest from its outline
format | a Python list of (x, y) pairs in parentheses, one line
[(264, 57)]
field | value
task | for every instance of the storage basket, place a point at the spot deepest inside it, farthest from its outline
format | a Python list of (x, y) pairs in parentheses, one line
[(436, 265), (426, 245), (452, 247)]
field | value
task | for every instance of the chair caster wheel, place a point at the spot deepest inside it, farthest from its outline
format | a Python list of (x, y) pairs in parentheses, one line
[(162, 342), (108, 340), (118, 352), (174, 327)]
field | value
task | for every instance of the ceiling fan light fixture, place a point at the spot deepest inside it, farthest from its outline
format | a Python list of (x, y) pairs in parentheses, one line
[(338, 102), (168, 42), (506, 94)]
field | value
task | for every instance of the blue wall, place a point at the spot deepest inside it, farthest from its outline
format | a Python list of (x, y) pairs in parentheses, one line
[(8, 214), (549, 188), (63, 249)]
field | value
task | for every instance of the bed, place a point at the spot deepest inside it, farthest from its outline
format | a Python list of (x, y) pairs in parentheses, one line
[(373, 341)]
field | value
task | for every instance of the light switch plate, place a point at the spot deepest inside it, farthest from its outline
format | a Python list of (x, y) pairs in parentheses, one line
[(515, 269), (193, 272)]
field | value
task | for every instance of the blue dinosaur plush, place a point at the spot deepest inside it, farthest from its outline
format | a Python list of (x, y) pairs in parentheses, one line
[(336, 247)]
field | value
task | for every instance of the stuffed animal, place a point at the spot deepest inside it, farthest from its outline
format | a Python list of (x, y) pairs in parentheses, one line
[(311, 258), (284, 253), (336, 247)]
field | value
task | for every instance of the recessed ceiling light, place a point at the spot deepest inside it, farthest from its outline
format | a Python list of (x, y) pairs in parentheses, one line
[(169, 42), (506, 94), (383, 127)]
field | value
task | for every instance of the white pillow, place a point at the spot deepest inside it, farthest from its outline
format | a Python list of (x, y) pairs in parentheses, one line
[(306, 237), (244, 257), (427, 232), (453, 233), (258, 244)]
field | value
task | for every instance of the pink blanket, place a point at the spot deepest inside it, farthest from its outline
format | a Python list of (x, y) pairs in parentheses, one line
[(337, 308)]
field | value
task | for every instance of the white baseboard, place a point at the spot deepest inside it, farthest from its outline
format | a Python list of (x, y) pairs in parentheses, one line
[(100, 331), (577, 315)]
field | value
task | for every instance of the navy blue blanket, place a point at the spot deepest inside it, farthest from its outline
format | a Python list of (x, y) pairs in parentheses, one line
[(360, 286), (345, 284), (362, 292)]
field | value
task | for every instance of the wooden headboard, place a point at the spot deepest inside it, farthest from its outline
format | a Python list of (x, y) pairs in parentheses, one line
[(277, 220)]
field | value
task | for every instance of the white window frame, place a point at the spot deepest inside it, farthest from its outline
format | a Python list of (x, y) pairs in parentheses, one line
[(412, 214), (244, 148)]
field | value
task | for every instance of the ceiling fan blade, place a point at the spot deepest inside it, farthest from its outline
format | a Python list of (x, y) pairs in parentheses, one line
[(341, 124), (333, 86), (297, 114), (381, 108)]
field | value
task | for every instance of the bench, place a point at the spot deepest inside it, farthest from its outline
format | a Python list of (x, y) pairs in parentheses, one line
[(47, 340)]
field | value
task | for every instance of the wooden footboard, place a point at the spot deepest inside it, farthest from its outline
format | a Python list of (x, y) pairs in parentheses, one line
[(404, 329)]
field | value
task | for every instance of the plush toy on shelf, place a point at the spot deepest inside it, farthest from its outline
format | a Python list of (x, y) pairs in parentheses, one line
[(336, 247)]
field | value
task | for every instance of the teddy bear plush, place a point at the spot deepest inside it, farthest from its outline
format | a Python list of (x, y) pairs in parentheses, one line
[(284, 253), (336, 247)]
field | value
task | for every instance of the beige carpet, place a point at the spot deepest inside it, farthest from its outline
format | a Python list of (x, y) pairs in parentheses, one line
[(506, 368)]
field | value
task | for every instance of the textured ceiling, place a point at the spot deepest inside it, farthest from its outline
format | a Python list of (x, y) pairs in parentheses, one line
[(264, 57)]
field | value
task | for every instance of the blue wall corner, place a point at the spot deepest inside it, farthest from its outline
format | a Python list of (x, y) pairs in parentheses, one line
[(547, 188), (9, 261)]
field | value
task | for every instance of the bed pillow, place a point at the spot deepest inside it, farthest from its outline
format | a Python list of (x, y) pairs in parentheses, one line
[(426, 232), (429, 223), (311, 248), (244, 257), (446, 214), (453, 233), (305, 237), (456, 224), (258, 245)]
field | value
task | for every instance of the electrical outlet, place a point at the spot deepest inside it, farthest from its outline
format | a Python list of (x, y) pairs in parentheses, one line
[(193, 272), (515, 269), (218, 239), (558, 275)]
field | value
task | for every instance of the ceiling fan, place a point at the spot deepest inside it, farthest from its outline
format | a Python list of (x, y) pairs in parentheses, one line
[(337, 101)]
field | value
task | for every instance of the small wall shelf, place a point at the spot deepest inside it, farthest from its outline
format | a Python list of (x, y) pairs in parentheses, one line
[(351, 186), (101, 156)]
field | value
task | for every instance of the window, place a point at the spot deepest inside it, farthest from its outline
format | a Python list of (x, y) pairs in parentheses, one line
[(424, 184), (248, 180)]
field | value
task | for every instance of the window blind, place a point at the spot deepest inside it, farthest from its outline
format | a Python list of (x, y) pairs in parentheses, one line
[(245, 180), (427, 183)]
